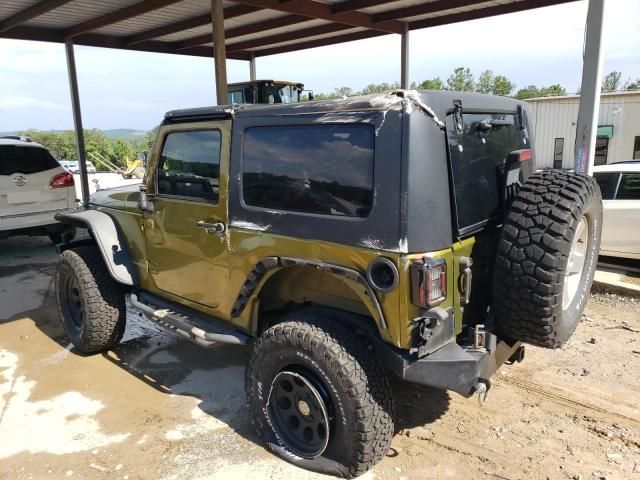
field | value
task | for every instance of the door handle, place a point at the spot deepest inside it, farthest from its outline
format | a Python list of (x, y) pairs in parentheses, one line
[(466, 277), (211, 228)]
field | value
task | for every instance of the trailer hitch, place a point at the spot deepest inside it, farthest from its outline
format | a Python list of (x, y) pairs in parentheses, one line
[(482, 389)]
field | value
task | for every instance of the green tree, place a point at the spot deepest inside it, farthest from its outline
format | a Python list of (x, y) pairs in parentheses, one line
[(485, 82), (432, 84), (611, 81), (502, 86), (379, 88), (530, 91), (123, 150), (494, 84), (151, 135), (632, 84), (555, 89), (343, 92), (461, 80)]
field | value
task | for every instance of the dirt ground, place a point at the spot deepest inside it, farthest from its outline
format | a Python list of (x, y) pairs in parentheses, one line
[(160, 407)]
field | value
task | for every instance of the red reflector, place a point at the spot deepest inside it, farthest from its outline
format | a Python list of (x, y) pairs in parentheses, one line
[(61, 180), (525, 155)]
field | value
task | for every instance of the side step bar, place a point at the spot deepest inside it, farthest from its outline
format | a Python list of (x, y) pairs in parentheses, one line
[(196, 327)]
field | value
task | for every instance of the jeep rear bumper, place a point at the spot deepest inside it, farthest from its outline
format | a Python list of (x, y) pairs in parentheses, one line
[(452, 367)]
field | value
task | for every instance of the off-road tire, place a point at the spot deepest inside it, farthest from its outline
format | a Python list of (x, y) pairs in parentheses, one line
[(532, 256), (103, 316), (362, 422)]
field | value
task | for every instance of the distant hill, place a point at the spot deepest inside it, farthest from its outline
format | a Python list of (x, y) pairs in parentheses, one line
[(125, 134), (128, 134)]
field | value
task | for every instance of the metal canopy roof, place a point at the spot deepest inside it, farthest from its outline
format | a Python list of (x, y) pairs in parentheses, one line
[(252, 28)]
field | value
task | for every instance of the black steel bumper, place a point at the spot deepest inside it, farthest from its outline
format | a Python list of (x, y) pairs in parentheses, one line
[(451, 367)]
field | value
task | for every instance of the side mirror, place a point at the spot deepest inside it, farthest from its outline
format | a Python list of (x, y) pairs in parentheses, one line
[(144, 204)]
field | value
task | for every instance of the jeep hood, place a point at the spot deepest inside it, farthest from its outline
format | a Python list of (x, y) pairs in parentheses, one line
[(121, 198)]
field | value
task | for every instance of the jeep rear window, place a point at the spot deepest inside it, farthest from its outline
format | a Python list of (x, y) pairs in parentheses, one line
[(322, 169), (478, 154), (26, 160)]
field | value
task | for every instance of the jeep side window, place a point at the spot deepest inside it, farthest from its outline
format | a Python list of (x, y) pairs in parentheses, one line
[(322, 169), (189, 165)]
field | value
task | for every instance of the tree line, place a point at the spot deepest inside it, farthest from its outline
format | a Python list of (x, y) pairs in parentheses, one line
[(463, 80), (62, 144)]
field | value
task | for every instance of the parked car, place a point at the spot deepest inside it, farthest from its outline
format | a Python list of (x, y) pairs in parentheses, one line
[(342, 241), (33, 188), (620, 186), (73, 166)]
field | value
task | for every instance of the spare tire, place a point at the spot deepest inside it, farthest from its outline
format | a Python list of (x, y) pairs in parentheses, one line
[(546, 258)]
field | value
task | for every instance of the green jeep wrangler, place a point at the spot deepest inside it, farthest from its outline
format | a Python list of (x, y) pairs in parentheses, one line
[(342, 241)]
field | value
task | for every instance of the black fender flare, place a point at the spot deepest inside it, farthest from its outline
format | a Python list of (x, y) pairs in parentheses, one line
[(106, 235)]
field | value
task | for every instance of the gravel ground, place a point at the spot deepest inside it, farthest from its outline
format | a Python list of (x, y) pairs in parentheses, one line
[(160, 407)]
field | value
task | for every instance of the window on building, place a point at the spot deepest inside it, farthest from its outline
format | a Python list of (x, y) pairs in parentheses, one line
[(322, 169), (602, 149), (629, 188), (190, 165), (636, 148), (558, 150)]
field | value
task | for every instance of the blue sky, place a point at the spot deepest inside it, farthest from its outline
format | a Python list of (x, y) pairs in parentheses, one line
[(122, 89)]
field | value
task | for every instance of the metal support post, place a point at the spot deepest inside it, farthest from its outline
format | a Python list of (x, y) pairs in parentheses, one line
[(219, 52), (252, 66), (77, 120), (587, 125), (404, 57)]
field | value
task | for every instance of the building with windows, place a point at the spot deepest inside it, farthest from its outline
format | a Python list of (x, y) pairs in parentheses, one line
[(554, 124)]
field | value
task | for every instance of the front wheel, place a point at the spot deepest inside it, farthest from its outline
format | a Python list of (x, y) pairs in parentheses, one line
[(90, 303), (319, 397)]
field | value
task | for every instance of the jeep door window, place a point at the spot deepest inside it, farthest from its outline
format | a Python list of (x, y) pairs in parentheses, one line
[(321, 169), (189, 165), (478, 155)]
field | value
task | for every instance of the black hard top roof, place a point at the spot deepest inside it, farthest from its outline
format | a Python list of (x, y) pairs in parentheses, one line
[(439, 100)]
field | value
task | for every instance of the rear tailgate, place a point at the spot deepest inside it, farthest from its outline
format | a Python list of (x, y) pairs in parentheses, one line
[(490, 155), (25, 176)]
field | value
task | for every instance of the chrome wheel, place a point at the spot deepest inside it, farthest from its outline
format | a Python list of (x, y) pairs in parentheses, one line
[(575, 263), (299, 414)]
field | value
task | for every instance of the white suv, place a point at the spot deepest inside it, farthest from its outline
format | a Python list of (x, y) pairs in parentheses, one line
[(620, 186), (33, 188)]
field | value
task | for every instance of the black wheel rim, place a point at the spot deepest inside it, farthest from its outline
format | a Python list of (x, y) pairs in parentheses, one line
[(299, 411), (72, 303)]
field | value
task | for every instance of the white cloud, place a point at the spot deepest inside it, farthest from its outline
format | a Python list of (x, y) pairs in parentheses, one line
[(22, 102)]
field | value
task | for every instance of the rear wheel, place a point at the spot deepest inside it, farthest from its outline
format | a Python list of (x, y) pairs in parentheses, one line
[(90, 303), (547, 258), (319, 398)]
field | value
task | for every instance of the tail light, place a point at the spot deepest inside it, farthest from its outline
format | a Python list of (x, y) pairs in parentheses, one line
[(429, 282), (61, 180)]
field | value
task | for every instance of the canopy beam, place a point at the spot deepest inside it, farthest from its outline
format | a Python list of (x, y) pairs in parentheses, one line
[(587, 125), (77, 120)]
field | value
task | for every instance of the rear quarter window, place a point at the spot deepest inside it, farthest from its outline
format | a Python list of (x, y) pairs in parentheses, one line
[(26, 160), (320, 169)]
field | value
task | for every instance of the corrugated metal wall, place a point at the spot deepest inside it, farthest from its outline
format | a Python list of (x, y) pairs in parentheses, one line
[(556, 118)]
